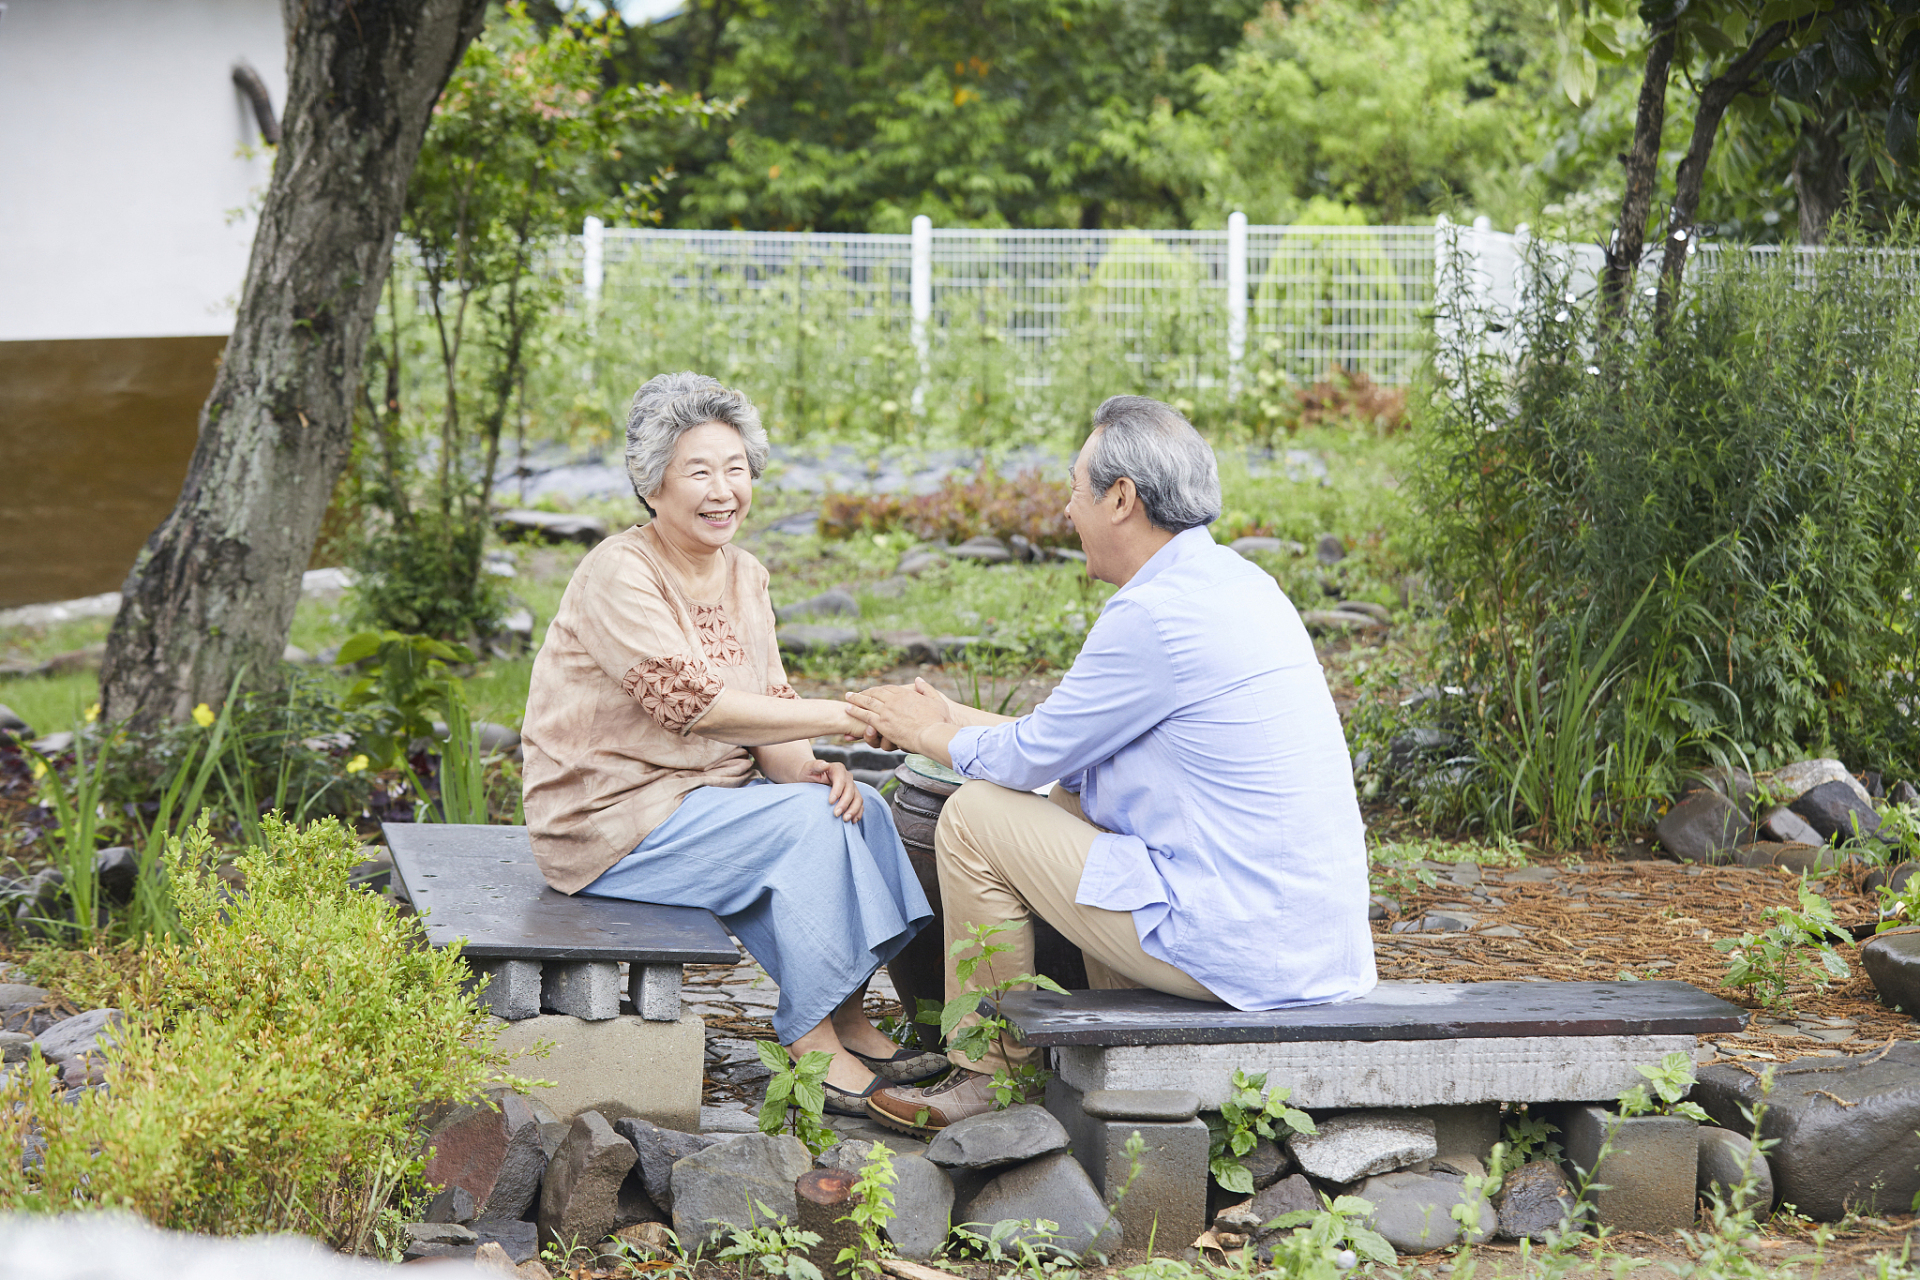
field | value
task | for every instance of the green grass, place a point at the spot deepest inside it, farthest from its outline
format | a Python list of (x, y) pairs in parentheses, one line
[(51, 703)]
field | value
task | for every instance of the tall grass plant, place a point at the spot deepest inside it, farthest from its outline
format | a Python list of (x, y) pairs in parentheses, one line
[(1733, 501)]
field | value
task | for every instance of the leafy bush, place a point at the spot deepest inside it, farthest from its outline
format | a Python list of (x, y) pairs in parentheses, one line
[(1749, 469), (1028, 504), (273, 1065), (422, 574)]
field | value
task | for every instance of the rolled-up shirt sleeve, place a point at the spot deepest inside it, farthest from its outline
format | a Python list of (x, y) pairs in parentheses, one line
[(1120, 686), (627, 626)]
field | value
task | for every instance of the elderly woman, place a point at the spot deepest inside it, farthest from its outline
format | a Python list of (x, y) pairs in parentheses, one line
[(658, 694)]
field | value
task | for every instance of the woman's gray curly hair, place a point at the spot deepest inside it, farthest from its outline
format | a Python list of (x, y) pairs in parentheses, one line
[(668, 406)]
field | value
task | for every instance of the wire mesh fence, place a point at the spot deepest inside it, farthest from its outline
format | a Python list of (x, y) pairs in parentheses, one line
[(1018, 333)]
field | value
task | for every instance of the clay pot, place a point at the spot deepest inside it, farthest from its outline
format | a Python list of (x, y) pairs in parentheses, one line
[(918, 971)]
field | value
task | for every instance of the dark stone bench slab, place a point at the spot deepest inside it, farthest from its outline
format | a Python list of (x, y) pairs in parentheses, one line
[(480, 887), (1392, 1011)]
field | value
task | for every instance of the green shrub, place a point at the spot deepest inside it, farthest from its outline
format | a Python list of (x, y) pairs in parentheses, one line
[(1751, 469), (422, 574), (272, 1067)]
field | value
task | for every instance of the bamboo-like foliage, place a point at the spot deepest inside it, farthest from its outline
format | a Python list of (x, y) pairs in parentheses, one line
[(1754, 472)]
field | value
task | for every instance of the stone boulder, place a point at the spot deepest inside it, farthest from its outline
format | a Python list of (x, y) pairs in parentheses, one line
[(1414, 1211), (580, 1196), (492, 1151), (1859, 1152), (985, 549), (727, 1185), (996, 1138), (658, 1149), (1838, 811), (1704, 827), (1052, 1189), (1892, 961), (1534, 1200), (816, 638), (1725, 1161), (82, 1033), (1789, 783), (922, 1206), (1351, 1146), (1784, 826), (835, 603), (549, 526)]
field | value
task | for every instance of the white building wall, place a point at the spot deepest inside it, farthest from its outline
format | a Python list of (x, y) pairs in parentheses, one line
[(130, 165)]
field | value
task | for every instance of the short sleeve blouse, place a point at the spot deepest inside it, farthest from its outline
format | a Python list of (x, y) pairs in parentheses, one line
[(628, 667)]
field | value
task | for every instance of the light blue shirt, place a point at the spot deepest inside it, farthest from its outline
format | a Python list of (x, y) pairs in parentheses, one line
[(1197, 728)]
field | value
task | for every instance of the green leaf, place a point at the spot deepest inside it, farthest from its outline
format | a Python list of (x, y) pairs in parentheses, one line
[(957, 1009), (1298, 1121), (1371, 1245), (358, 648), (1232, 1175), (772, 1056)]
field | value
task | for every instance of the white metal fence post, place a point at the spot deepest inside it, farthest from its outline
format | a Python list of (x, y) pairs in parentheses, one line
[(593, 272), (920, 290), (1236, 301)]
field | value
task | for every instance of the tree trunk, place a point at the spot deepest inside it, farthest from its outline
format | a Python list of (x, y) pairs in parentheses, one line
[(212, 593), (1819, 177), (1642, 162), (1714, 101)]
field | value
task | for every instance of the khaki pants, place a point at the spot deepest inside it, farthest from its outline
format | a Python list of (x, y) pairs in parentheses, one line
[(1011, 855)]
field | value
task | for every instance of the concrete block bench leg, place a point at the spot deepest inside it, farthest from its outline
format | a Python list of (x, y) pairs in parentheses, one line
[(589, 990), (654, 990), (623, 1066), (509, 989), (1165, 1204), (1649, 1167)]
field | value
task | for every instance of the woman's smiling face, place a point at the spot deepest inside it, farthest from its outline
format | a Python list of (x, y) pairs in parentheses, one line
[(707, 490)]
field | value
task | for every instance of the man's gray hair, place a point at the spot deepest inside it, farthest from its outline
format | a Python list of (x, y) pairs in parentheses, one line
[(668, 406), (1171, 467)]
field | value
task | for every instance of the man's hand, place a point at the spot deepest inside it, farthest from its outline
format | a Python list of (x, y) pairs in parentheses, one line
[(841, 793), (916, 716)]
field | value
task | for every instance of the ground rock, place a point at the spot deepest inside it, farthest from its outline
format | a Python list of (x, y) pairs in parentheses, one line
[(922, 1206), (1268, 1162), (1703, 827), (1054, 1188), (492, 1151), (1414, 1211), (1783, 826), (1800, 859), (1724, 1157), (14, 1046), (18, 995), (1330, 549), (1830, 1155), (826, 604), (549, 526), (986, 549), (996, 1138), (1895, 877), (1837, 811), (520, 1240), (1892, 961), (918, 645), (1289, 1195), (82, 1033), (715, 1190), (453, 1204), (436, 1240), (118, 870), (580, 1196), (1351, 1146), (1534, 1200), (915, 563), (1795, 780), (1254, 545), (658, 1149), (816, 637)]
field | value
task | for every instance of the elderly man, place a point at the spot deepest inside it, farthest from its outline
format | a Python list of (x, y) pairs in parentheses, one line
[(1203, 838)]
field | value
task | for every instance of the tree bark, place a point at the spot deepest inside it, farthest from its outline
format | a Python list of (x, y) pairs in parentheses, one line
[(1642, 163), (1819, 177), (211, 595), (1691, 176)]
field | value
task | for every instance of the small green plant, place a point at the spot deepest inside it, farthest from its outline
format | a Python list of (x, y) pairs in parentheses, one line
[(872, 1211), (1898, 907), (407, 681), (1028, 1245), (796, 1095), (1250, 1113), (977, 1036), (1670, 1080), (1786, 951), (774, 1249), (1325, 1233), (77, 807), (1527, 1137)]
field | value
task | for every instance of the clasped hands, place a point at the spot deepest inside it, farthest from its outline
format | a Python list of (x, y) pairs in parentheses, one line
[(916, 717)]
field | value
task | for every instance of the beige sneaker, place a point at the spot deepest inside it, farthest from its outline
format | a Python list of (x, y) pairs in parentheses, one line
[(929, 1110)]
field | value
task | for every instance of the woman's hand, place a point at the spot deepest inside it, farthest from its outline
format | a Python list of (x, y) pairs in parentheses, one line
[(845, 798)]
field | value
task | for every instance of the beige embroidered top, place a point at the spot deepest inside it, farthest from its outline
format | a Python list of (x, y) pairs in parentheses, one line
[(627, 669)]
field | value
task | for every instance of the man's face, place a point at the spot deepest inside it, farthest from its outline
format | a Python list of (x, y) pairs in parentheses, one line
[(1085, 514)]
